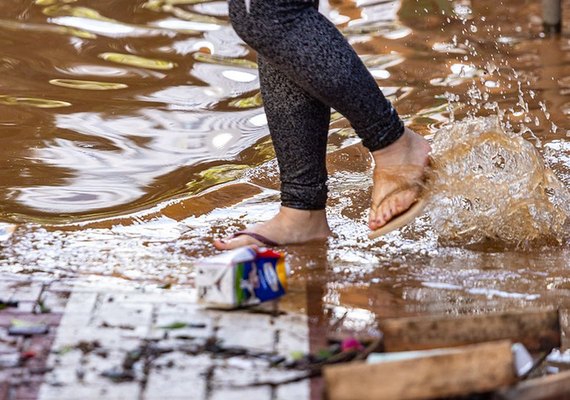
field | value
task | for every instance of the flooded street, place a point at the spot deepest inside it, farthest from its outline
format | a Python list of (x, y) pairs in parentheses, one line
[(133, 134)]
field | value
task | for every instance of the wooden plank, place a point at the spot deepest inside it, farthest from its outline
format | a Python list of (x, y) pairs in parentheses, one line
[(438, 373), (538, 330), (548, 387)]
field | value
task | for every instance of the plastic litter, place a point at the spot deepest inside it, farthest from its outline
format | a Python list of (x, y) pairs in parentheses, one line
[(523, 361), (558, 361), (351, 343), (22, 328), (8, 304)]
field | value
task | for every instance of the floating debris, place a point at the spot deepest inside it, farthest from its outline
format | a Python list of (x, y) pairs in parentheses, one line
[(32, 102), (523, 361), (117, 374), (242, 277), (182, 325), (87, 85), (558, 361), (87, 347), (23, 328), (351, 343), (8, 304), (136, 61)]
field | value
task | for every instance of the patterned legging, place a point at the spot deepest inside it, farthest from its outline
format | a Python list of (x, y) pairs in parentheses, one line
[(306, 67)]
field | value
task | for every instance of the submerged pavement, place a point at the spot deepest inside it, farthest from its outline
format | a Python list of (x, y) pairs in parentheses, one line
[(118, 342)]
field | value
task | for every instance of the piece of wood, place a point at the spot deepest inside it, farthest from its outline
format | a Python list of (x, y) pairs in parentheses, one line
[(548, 387), (438, 373), (538, 330)]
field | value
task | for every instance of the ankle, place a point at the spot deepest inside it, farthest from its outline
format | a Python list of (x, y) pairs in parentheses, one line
[(395, 148), (301, 215), (309, 219), (410, 148)]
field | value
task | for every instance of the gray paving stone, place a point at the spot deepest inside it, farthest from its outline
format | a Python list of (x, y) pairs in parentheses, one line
[(24, 291), (232, 374), (242, 329), (292, 334), (134, 319), (78, 376), (293, 391), (113, 338), (60, 286), (80, 302), (253, 393), (94, 391), (242, 363), (159, 296), (178, 376), (88, 318), (55, 301), (168, 314), (120, 320)]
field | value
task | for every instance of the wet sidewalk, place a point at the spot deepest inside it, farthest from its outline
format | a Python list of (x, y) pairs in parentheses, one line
[(120, 342)]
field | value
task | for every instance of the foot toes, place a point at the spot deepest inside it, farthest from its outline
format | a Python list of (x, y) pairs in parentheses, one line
[(396, 206), (234, 243), (375, 221), (373, 218), (390, 208)]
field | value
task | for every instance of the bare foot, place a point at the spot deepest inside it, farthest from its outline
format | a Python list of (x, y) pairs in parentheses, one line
[(405, 160), (289, 226)]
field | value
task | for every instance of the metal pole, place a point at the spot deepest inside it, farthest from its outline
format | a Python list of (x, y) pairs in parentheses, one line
[(552, 15)]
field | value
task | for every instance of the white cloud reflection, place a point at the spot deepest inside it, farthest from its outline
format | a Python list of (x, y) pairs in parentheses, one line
[(141, 149)]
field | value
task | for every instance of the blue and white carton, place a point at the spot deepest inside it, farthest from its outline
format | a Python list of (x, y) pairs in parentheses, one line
[(241, 277)]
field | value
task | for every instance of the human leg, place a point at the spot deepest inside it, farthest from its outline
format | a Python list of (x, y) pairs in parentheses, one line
[(298, 124), (299, 41), (303, 45)]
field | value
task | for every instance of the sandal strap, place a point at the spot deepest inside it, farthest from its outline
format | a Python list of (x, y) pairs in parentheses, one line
[(256, 236)]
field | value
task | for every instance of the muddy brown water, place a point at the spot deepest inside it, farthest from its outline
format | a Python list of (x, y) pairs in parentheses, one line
[(133, 133)]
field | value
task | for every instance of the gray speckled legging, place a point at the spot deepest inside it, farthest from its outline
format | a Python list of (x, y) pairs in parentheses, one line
[(306, 67)]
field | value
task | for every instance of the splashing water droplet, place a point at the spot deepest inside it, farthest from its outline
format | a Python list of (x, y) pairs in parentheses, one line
[(513, 197), (491, 67)]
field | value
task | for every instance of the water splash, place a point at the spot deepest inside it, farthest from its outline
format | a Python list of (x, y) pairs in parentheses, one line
[(492, 184)]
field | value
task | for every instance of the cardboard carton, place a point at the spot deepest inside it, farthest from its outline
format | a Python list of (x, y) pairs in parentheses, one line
[(241, 277)]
